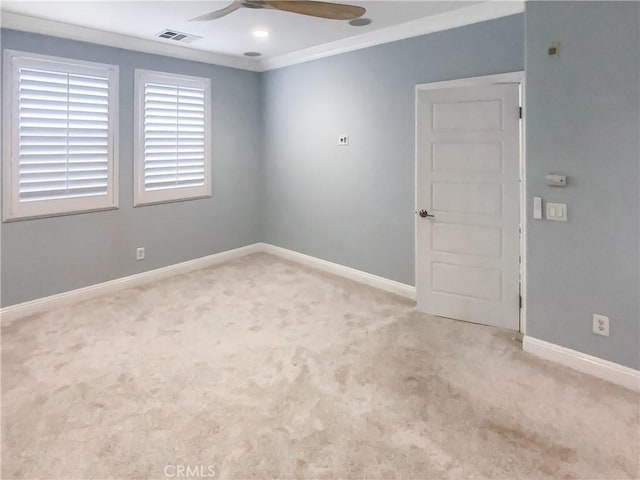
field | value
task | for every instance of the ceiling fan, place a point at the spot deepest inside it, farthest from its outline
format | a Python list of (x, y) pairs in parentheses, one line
[(332, 11)]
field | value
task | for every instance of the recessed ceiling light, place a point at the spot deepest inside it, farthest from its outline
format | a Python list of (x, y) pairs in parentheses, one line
[(261, 33), (360, 22), (252, 54)]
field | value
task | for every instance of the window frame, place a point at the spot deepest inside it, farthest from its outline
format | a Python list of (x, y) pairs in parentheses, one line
[(142, 197), (13, 209)]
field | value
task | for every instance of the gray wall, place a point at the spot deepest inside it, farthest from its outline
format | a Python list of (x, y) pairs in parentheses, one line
[(355, 205), (47, 256), (583, 120)]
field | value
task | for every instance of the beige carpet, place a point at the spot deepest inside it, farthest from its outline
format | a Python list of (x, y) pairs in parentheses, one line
[(260, 368)]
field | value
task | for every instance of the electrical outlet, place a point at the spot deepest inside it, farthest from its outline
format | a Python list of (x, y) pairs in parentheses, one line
[(600, 325), (140, 253), (343, 140)]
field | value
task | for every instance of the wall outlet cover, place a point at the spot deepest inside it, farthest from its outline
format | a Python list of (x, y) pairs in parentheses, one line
[(140, 253), (343, 140), (600, 325)]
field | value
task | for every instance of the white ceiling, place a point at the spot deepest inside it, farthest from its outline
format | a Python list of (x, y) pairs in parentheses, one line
[(232, 35)]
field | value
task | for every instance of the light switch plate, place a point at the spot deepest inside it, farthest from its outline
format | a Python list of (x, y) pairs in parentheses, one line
[(537, 208), (557, 212)]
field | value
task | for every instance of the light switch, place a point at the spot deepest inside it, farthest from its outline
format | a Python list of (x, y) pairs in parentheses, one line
[(557, 212), (537, 208)]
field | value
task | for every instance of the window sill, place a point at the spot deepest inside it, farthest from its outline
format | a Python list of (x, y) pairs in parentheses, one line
[(61, 214), (173, 200)]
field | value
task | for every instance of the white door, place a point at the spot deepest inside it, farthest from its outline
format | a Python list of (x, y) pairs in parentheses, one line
[(467, 185)]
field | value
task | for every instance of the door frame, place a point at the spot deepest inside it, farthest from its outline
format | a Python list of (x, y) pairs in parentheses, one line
[(511, 77)]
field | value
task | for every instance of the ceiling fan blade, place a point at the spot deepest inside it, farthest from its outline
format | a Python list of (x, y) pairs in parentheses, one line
[(333, 11), (218, 13)]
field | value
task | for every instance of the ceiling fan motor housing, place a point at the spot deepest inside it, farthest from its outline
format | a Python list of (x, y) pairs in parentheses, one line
[(253, 4)]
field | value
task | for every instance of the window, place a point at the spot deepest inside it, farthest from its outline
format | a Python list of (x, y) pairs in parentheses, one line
[(60, 136), (173, 123)]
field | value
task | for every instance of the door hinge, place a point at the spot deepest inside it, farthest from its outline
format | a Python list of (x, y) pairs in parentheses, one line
[(520, 301), (519, 112)]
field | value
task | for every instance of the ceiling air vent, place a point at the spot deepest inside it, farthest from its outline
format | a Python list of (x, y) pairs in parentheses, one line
[(177, 36)]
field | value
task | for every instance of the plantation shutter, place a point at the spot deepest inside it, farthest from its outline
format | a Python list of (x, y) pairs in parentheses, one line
[(174, 136), (63, 128)]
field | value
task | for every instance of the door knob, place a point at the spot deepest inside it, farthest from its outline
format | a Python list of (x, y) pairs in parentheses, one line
[(424, 214)]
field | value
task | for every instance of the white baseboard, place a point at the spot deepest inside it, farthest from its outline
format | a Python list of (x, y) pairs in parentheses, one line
[(13, 312), (612, 372), (401, 289)]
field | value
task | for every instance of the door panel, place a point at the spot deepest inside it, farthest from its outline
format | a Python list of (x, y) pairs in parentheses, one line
[(471, 116), (483, 241), (467, 157), (467, 177), (465, 281), (467, 197)]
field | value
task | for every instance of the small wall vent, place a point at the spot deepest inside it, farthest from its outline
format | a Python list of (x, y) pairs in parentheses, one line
[(177, 36)]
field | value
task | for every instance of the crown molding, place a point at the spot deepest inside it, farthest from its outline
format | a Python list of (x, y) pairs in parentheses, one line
[(456, 18), (16, 21), (488, 10)]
